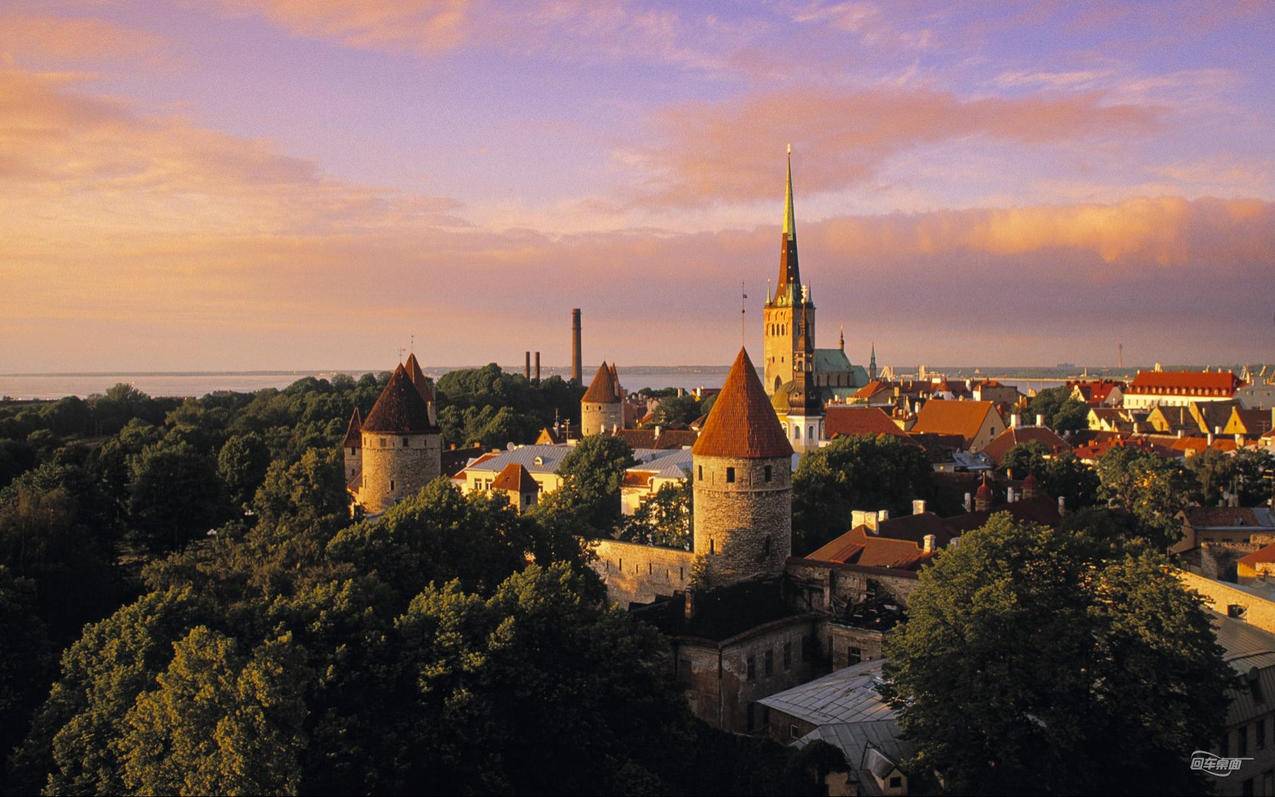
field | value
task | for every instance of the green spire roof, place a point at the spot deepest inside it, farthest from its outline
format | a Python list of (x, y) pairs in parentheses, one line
[(790, 218)]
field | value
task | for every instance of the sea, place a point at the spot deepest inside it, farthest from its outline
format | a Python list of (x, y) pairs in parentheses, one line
[(32, 386)]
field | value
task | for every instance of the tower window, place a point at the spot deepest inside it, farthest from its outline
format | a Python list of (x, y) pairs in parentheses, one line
[(712, 546), (769, 660), (404, 442), (767, 473), (701, 473), (730, 475), (751, 668), (391, 484)]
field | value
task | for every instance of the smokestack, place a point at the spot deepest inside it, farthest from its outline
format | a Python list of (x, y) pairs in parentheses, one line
[(1015, 420), (537, 367), (969, 503), (526, 368), (918, 507), (575, 347), (927, 543), (1062, 505)]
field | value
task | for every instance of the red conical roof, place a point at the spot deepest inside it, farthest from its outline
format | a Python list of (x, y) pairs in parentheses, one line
[(603, 389), (742, 423), (352, 437), (399, 409), (417, 377)]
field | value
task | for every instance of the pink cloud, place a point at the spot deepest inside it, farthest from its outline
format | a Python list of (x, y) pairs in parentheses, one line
[(25, 37), (708, 152)]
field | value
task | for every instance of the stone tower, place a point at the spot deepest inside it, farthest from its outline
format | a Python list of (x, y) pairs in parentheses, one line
[(804, 419), (742, 470), (352, 449), (402, 448), (601, 408), (779, 316)]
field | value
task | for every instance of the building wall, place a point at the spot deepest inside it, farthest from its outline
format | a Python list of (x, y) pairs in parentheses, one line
[(830, 588), (353, 464), (477, 479), (596, 416), (804, 432), (993, 425), (396, 466), (715, 677), (1145, 401), (1222, 597), (743, 528), (1256, 397), (779, 341), (636, 573)]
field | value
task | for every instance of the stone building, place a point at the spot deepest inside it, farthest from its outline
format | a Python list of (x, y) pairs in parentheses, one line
[(602, 406), (401, 446), (798, 402), (742, 474), (352, 449)]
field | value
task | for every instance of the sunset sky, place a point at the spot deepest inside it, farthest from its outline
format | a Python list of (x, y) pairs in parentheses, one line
[(256, 184)]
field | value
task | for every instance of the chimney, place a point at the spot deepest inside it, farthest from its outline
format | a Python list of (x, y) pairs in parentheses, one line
[(1062, 505), (657, 431), (1040, 419), (688, 604), (1009, 495), (1208, 440), (927, 543), (1239, 440), (1181, 433), (537, 367), (969, 503), (575, 347), (883, 515), (1015, 420), (526, 368), (918, 507)]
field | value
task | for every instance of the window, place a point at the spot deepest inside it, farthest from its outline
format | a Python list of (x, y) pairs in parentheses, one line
[(810, 433), (712, 546), (896, 782), (701, 473), (1236, 610), (404, 442), (767, 472), (788, 657), (391, 484), (854, 655), (794, 732), (730, 475), (751, 668), (684, 672), (769, 660)]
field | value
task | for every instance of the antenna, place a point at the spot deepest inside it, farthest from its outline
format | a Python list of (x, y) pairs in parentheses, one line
[(400, 354), (412, 345), (743, 310)]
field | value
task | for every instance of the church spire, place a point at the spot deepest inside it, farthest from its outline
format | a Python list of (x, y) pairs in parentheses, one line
[(788, 289)]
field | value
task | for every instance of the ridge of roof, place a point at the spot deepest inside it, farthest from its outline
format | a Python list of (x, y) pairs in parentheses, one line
[(353, 432)]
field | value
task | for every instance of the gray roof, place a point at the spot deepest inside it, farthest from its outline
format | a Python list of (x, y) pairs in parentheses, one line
[(671, 464), (1251, 652), (545, 459), (847, 695), (831, 361), (855, 740)]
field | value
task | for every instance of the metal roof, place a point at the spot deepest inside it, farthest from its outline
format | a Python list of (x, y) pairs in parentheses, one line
[(847, 695)]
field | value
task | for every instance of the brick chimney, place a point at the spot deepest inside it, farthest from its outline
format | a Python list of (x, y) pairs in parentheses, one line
[(575, 347), (983, 498), (537, 378), (969, 503), (526, 367), (927, 543)]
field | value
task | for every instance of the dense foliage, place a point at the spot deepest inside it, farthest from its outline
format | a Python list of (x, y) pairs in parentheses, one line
[(859, 472), (1062, 412), (1056, 662), (488, 406)]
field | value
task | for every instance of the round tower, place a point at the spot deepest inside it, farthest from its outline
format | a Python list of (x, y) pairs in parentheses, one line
[(601, 408), (742, 471), (402, 449)]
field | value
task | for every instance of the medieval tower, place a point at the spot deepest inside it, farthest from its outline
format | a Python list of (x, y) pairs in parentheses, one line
[(602, 407), (742, 471), (352, 449), (780, 316), (401, 443)]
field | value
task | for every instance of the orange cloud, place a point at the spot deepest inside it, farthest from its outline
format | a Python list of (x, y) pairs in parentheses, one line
[(724, 151), (420, 26), (25, 37)]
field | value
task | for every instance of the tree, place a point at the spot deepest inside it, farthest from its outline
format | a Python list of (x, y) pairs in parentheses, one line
[(1025, 458), (1151, 488), (25, 659), (310, 489), (218, 722), (242, 464), (1241, 473), (860, 472), (174, 496), (1066, 477), (1028, 650), (677, 411), (1062, 412), (591, 478), (663, 518)]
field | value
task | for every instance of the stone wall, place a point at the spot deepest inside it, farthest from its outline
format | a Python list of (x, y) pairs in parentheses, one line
[(596, 417), (743, 527), (353, 464), (829, 588), (1231, 599), (636, 573), (396, 466), (716, 678)]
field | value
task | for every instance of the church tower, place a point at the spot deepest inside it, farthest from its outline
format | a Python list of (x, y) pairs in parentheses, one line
[(402, 447), (779, 316), (804, 419), (742, 471)]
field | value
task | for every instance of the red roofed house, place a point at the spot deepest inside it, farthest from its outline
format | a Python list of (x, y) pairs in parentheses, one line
[(515, 482), (1098, 392), (1257, 566), (977, 422), (1179, 388), (1003, 442), (854, 421)]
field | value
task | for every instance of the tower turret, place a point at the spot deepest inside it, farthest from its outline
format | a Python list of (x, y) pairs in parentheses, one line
[(804, 418), (601, 408), (352, 448), (402, 448), (742, 472)]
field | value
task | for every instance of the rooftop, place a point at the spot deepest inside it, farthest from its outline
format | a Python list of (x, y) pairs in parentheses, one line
[(399, 409), (742, 423), (953, 417), (846, 696), (603, 389)]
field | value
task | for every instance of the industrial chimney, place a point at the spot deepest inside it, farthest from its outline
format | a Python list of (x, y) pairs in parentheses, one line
[(526, 368), (575, 347), (537, 368)]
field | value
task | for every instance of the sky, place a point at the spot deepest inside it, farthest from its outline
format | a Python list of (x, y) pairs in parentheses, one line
[(310, 184)]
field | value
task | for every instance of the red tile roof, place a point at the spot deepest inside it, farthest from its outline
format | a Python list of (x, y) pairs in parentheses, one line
[(1186, 382), (399, 409), (418, 378), (603, 389), (515, 478), (859, 546), (850, 421), (352, 437), (742, 423), (1003, 442), (1266, 554), (872, 388), (953, 417)]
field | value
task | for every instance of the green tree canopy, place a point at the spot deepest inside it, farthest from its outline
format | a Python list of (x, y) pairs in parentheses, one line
[(861, 472), (591, 478), (1062, 412), (1149, 487), (1039, 661), (242, 464), (175, 495), (663, 518)]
